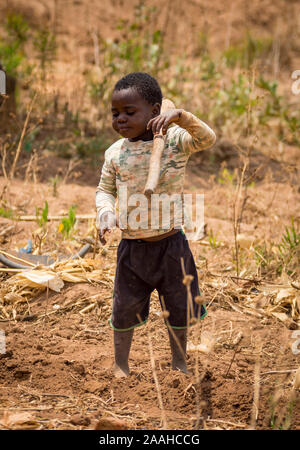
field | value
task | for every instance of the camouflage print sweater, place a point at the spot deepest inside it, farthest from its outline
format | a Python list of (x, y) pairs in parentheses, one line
[(124, 175)]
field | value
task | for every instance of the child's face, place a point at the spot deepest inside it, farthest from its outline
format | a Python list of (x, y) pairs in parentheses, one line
[(131, 114)]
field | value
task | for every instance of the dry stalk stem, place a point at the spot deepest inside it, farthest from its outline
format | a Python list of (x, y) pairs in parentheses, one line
[(238, 207), (157, 385), (46, 307), (79, 216), (241, 191), (227, 423), (187, 280), (240, 337), (71, 166), (163, 413), (197, 377), (4, 160), (12, 171), (255, 405)]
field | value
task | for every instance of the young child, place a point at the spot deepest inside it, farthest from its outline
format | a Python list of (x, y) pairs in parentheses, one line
[(148, 258)]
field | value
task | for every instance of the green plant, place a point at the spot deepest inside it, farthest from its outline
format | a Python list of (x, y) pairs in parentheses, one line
[(233, 103), (227, 177), (291, 239), (6, 212), (17, 27), (201, 48), (67, 224), (139, 47), (45, 45), (30, 139), (282, 256), (208, 69), (250, 50), (263, 256), (42, 216), (273, 106), (92, 148), (212, 239), (292, 121), (289, 248), (282, 421), (54, 182), (12, 44)]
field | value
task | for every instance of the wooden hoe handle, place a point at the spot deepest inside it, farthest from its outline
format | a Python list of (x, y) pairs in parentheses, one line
[(158, 147)]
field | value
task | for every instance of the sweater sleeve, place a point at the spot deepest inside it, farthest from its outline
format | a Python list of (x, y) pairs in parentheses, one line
[(195, 135), (106, 191)]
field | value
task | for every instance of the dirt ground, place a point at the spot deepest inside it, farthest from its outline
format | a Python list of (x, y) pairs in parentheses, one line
[(57, 369), (57, 372)]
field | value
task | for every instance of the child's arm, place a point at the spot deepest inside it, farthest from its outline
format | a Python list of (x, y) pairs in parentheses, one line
[(106, 199), (195, 134)]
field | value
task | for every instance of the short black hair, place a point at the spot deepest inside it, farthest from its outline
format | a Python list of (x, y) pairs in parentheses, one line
[(145, 84)]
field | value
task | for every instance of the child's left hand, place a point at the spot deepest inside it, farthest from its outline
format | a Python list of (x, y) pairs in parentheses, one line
[(164, 120)]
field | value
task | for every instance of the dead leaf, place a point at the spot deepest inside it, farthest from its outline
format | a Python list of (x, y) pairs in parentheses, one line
[(281, 316), (244, 240), (19, 420), (108, 423), (297, 380), (284, 293)]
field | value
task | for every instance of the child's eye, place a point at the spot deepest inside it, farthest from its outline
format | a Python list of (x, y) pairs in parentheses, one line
[(130, 113), (115, 114)]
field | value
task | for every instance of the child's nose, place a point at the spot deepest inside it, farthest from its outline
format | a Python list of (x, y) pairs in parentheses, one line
[(122, 118)]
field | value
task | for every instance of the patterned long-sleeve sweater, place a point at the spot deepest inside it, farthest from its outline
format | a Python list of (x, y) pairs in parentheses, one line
[(124, 175)]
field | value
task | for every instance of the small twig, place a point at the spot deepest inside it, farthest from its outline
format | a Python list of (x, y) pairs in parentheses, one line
[(88, 308), (47, 298), (3, 161), (240, 337), (228, 423), (12, 171), (279, 371), (95, 242), (71, 166), (152, 360), (78, 217), (254, 413)]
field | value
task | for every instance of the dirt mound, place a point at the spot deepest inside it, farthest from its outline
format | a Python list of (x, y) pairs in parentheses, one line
[(59, 367)]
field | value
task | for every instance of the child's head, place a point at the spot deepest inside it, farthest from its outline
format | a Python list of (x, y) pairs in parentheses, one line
[(136, 99)]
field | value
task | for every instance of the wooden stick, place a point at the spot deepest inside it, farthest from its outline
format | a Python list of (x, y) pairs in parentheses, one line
[(78, 216), (227, 423), (12, 171), (158, 147), (279, 371), (239, 338)]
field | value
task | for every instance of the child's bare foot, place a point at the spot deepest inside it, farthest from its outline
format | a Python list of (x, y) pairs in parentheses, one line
[(121, 372)]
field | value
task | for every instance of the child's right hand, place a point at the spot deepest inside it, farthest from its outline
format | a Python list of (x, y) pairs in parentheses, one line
[(107, 223), (163, 120)]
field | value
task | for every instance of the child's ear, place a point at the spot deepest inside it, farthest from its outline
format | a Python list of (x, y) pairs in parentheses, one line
[(156, 109)]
